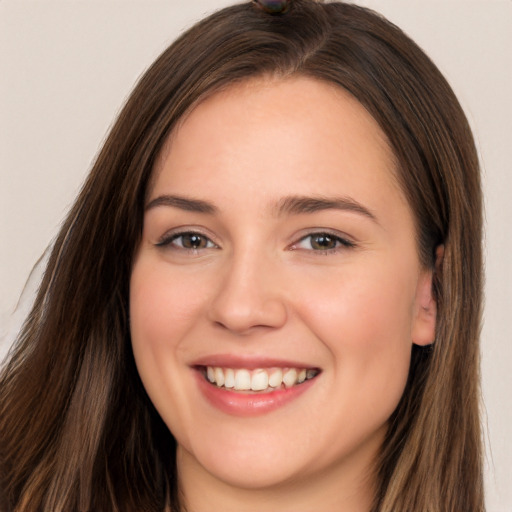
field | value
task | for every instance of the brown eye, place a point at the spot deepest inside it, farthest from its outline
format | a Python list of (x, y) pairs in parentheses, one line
[(192, 241), (323, 242), (188, 241)]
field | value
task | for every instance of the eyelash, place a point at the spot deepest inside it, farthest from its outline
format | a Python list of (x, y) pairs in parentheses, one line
[(340, 243), (169, 241)]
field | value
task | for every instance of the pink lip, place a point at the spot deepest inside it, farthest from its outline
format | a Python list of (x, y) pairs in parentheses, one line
[(248, 362), (249, 404)]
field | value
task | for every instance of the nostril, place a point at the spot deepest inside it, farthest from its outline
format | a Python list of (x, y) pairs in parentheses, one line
[(249, 293), (242, 315)]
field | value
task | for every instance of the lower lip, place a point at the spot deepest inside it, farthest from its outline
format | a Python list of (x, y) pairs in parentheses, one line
[(249, 404)]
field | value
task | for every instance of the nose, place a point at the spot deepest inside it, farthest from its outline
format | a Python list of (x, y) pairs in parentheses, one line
[(249, 295)]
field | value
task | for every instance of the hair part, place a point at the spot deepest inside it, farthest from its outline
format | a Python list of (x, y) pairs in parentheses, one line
[(77, 429)]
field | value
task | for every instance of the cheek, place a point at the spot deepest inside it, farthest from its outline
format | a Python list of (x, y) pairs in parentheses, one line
[(373, 305), (364, 318), (161, 307), (162, 311)]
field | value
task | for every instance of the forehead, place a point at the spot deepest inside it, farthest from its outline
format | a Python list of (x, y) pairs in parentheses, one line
[(297, 131)]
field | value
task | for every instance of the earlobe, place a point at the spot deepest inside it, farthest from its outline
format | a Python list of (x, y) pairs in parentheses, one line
[(424, 327)]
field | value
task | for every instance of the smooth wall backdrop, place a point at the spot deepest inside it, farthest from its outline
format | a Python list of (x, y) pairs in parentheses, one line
[(67, 66)]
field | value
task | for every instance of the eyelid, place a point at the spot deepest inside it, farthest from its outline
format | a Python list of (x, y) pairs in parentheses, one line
[(168, 237), (342, 240)]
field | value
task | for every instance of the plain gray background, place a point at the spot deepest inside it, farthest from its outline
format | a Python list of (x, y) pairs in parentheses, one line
[(67, 66)]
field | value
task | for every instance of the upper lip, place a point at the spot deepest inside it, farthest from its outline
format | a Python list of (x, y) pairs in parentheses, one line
[(249, 362)]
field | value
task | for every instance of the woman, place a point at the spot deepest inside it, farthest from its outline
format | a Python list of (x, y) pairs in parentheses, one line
[(261, 297)]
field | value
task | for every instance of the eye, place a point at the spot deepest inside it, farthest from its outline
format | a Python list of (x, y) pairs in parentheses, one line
[(189, 241), (322, 242)]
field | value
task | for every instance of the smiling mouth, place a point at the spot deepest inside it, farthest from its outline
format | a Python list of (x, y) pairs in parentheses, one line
[(260, 380)]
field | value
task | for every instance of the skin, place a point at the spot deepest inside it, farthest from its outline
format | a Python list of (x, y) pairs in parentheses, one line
[(259, 288)]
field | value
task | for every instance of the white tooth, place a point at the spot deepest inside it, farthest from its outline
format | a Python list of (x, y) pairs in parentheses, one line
[(219, 376), (275, 378), (242, 380), (310, 374), (259, 380), (290, 377), (229, 378), (301, 377), (210, 374)]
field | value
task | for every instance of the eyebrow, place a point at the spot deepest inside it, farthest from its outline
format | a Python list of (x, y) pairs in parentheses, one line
[(183, 203), (291, 205), (296, 205)]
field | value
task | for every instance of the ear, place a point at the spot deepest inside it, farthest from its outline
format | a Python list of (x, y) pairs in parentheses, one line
[(425, 311)]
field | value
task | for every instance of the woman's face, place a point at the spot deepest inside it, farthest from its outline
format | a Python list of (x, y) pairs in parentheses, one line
[(277, 247)]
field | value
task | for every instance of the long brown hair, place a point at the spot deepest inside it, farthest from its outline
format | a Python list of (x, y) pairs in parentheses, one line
[(77, 430)]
